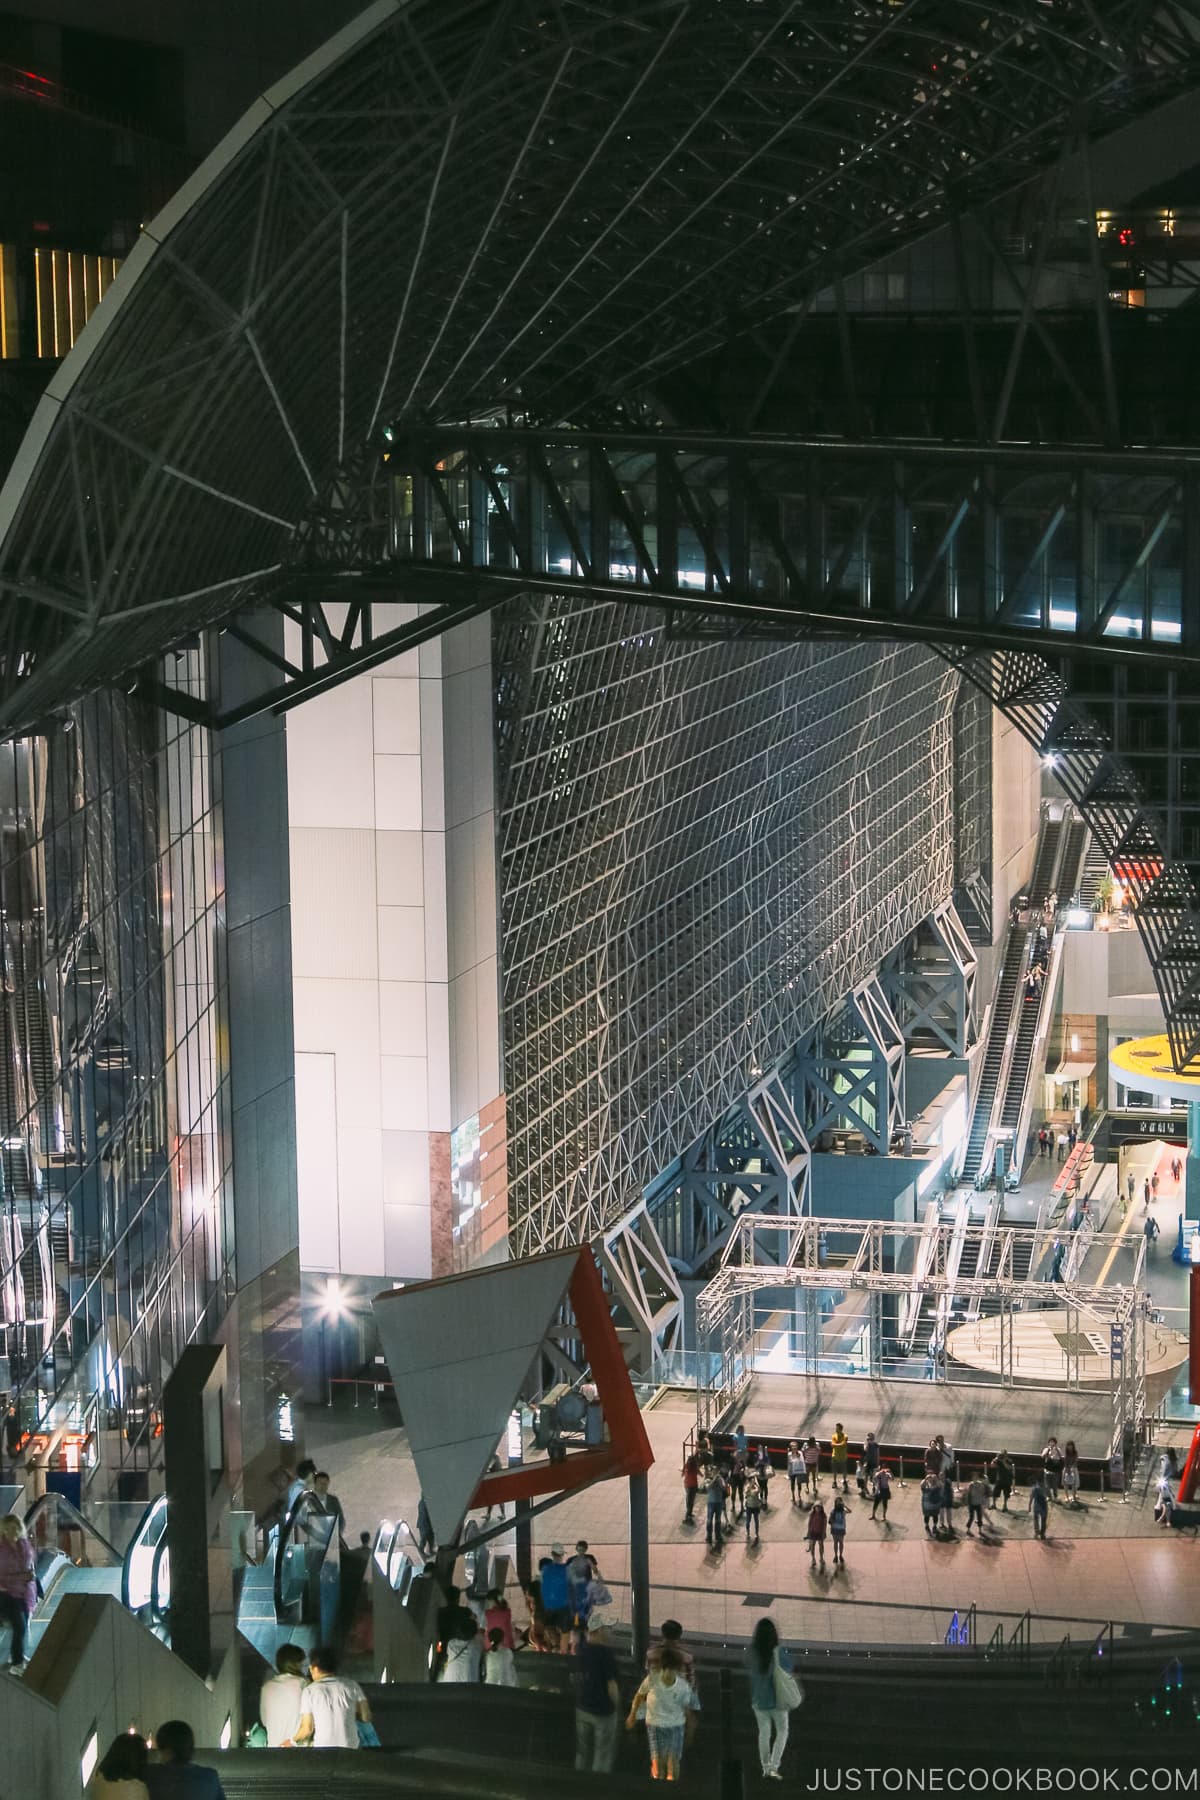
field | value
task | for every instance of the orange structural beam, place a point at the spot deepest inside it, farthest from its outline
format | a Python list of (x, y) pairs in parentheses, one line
[(627, 1451)]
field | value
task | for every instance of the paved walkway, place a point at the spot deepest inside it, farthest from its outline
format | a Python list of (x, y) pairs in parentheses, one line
[(1105, 1560)]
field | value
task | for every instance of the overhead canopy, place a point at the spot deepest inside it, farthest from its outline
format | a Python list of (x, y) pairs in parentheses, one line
[(459, 207)]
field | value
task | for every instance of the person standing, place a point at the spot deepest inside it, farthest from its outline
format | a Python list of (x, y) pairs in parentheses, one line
[(498, 1617), (1001, 1472), (332, 1708), (812, 1460), (596, 1703), (946, 1510), (931, 1502), (715, 1509), (883, 1493), (1039, 1506), (1070, 1472), (737, 1486), (670, 1632), (460, 1638), (868, 1468), (556, 1597), (1154, 1185), (279, 1697), (323, 1514), (795, 1471), (760, 1465), (691, 1487), (741, 1444), (581, 1571), (764, 1656), (752, 1506), (977, 1498), (1052, 1463), (670, 1715), (817, 1525), (837, 1532), (18, 1584), (1146, 1196), (839, 1448), (498, 1669)]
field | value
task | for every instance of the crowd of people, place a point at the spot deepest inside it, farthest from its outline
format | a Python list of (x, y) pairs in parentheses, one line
[(736, 1483)]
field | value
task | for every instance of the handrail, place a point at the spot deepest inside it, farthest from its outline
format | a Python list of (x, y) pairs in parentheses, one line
[(1037, 1050), (1009, 1026), (59, 1502), (926, 1251), (329, 1550), (991, 1221)]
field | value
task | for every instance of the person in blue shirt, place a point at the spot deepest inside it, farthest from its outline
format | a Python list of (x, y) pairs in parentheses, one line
[(556, 1595), (741, 1442), (175, 1776)]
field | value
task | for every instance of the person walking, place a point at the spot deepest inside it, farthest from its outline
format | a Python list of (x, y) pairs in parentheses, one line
[(837, 1532), (812, 1460), (18, 1584), (795, 1472), (1070, 1472), (714, 1508), (120, 1774), (839, 1449), (556, 1601), (691, 1487), (279, 1696), (1001, 1473), (931, 1502), (977, 1499), (597, 1699), (1131, 1185), (426, 1537), (752, 1506), (333, 1706), (1052, 1464), (670, 1632), (1154, 1185), (765, 1659), (883, 1492), (1150, 1233), (1039, 1506), (817, 1526), (946, 1510), (670, 1715), (461, 1640), (1146, 1196), (582, 1570)]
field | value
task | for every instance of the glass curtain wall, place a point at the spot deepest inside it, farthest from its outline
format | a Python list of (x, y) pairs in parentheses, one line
[(116, 1239)]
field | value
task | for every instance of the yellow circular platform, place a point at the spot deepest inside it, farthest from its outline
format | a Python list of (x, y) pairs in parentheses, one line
[(1146, 1062)]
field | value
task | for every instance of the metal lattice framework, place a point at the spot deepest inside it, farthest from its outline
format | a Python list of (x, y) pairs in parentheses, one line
[(930, 985), (459, 206), (700, 847)]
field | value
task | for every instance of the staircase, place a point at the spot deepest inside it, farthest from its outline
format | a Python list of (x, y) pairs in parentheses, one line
[(1011, 974)]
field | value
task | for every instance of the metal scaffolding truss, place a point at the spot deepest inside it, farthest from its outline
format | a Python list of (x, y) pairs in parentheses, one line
[(645, 1285), (929, 981), (850, 1072), (458, 208)]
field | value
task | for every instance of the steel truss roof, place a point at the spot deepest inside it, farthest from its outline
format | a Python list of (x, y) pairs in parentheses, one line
[(459, 206)]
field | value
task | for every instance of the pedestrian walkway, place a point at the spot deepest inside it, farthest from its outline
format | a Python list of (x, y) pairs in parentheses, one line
[(1107, 1559)]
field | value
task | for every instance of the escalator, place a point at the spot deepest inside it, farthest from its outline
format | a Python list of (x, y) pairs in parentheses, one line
[(1070, 874), (1045, 868), (73, 1556), (1011, 974)]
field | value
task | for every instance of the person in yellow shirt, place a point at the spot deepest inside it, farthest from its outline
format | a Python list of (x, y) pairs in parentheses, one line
[(840, 1446)]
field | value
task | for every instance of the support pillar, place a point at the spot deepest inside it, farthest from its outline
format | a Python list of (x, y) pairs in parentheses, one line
[(524, 1542), (639, 1566), (1191, 1170)]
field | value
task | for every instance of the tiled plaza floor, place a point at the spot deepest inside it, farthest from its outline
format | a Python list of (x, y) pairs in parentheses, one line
[(1106, 1560)]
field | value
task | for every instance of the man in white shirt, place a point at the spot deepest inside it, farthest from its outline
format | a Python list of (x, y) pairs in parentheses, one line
[(331, 1706), (279, 1701)]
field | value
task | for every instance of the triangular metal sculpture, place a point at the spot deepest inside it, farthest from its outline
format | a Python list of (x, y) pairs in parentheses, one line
[(459, 1351)]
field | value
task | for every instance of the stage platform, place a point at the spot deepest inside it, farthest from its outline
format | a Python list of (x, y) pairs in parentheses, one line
[(977, 1420)]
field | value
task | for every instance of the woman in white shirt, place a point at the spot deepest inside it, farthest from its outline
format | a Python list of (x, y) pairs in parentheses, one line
[(279, 1701), (670, 1714), (119, 1774)]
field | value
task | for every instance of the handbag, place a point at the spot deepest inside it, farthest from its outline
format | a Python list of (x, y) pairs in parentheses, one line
[(368, 1737), (598, 1595), (788, 1692)]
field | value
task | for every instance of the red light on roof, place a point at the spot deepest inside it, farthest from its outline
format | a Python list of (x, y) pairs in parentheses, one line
[(40, 225), (32, 75)]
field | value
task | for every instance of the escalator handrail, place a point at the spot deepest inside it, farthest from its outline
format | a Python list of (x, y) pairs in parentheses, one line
[(286, 1532), (129, 1549), (74, 1514), (158, 1613)]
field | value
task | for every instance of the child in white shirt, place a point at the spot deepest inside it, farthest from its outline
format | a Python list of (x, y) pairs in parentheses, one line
[(498, 1668)]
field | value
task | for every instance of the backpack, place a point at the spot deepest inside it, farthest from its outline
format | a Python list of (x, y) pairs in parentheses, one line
[(555, 1596)]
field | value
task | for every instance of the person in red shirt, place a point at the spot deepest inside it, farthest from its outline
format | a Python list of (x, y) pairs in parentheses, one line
[(498, 1617)]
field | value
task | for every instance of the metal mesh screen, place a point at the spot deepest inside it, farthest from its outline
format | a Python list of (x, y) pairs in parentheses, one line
[(702, 849)]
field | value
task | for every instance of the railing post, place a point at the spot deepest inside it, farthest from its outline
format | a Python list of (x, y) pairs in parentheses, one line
[(732, 1784)]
